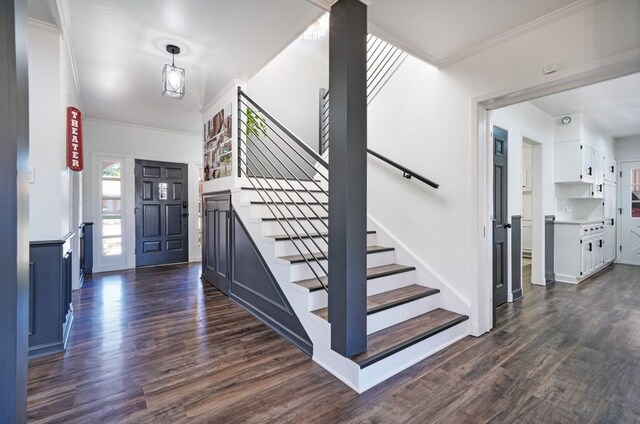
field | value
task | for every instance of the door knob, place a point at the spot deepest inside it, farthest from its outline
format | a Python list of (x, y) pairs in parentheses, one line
[(507, 225)]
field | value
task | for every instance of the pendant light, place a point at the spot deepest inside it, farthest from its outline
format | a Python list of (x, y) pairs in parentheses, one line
[(172, 76)]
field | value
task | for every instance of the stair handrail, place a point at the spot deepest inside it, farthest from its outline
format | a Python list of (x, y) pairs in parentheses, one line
[(406, 172)]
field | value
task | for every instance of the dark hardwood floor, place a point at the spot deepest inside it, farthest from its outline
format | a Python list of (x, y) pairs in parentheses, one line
[(155, 345)]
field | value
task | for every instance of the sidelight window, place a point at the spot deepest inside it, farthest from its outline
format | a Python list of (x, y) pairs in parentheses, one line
[(111, 201), (635, 193)]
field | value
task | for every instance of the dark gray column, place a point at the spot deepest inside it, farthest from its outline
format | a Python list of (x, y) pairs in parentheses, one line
[(14, 232), (348, 177)]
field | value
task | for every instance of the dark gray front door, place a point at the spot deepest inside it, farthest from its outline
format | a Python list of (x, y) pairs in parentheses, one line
[(500, 217), (162, 224)]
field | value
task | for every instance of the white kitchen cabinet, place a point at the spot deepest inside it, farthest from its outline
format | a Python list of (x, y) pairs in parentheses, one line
[(579, 250), (610, 245), (575, 162), (609, 169)]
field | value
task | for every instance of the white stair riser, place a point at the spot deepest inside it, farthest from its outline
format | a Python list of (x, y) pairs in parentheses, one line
[(302, 270), (286, 247), (318, 298), (289, 210), (385, 368), (398, 314), (278, 227), (269, 183), (282, 196)]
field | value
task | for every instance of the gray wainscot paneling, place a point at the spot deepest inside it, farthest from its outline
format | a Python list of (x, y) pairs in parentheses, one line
[(549, 273), (256, 289), (50, 307), (516, 257)]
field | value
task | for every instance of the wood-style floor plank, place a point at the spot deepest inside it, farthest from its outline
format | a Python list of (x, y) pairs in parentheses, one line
[(156, 345)]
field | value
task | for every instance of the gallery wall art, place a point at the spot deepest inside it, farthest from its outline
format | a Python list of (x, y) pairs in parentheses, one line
[(218, 149)]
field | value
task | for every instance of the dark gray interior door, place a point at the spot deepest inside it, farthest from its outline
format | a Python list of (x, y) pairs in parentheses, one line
[(500, 217), (162, 204), (216, 260)]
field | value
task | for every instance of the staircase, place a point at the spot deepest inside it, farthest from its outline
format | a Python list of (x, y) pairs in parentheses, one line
[(406, 319), (282, 200)]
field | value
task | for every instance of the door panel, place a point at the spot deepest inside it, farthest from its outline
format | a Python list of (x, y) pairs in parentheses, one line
[(500, 217), (217, 240), (162, 225), (630, 213)]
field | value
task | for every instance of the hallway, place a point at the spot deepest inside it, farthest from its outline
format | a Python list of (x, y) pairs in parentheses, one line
[(155, 345)]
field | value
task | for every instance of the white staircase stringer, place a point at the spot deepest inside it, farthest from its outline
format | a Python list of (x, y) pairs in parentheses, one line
[(452, 299)]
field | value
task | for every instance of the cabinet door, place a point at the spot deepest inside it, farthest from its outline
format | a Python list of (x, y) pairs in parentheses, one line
[(598, 250), (609, 169), (587, 164), (609, 243), (609, 213), (585, 260)]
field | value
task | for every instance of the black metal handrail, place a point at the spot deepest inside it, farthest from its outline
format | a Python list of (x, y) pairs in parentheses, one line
[(406, 172)]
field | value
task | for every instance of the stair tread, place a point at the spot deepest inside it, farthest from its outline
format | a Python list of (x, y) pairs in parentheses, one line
[(279, 237), (260, 202), (382, 301), (293, 190), (308, 256), (303, 218), (374, 272), (390, 340)]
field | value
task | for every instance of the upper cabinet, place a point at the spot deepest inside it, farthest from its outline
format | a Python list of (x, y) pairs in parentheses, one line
[(609, 169), (575, 162)]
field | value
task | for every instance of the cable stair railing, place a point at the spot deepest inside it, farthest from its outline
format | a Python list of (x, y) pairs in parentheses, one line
[(272, 158)]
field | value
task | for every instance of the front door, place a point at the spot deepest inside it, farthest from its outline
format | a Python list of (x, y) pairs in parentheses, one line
[(162, 204), (500, 217), (630, 213)]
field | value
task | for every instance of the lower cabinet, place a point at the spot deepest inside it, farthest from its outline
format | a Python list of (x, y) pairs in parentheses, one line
[(609, 241), (50, 303), (579, 250), (216, 246)]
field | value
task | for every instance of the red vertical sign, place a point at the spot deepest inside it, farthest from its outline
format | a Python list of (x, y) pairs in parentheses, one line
[(74, 139)]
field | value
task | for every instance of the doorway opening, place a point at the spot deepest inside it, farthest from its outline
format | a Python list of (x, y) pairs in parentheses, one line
[(580, 205)]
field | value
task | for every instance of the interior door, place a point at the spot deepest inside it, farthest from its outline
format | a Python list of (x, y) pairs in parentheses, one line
[(630, 213), (162, 224), (500, 217), (216, 263)]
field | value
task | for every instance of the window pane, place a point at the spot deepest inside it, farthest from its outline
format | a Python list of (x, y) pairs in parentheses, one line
[(635, 209), (111, 227), (111, 246), (110, 168), (111, 207), (111, 188)]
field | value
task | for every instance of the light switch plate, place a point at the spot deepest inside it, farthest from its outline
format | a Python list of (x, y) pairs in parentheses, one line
[(32, 175)]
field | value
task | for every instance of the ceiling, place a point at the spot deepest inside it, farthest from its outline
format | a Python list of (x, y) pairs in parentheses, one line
[(613, 105), (444, 31), (119, 45)]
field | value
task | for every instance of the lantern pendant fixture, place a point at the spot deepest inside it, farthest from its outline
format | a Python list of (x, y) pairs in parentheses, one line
[(172, 76)]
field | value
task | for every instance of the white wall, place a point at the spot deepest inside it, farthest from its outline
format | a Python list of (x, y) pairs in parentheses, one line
[(627, 148), (425, 119), (288, 87), (129, 142), (49, 96)]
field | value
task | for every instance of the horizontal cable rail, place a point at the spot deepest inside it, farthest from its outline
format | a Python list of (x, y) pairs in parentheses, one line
[(406, 172), (289, 178)]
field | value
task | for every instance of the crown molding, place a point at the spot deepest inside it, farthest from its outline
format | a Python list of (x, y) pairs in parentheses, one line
[(544, 20), (45, 26)]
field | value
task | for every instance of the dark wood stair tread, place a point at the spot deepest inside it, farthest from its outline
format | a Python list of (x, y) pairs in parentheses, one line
[(301, 258), (383, 301), (375, 272), (298, 218), (390, 340), (280, 237), (260, 202), (293, 190)]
